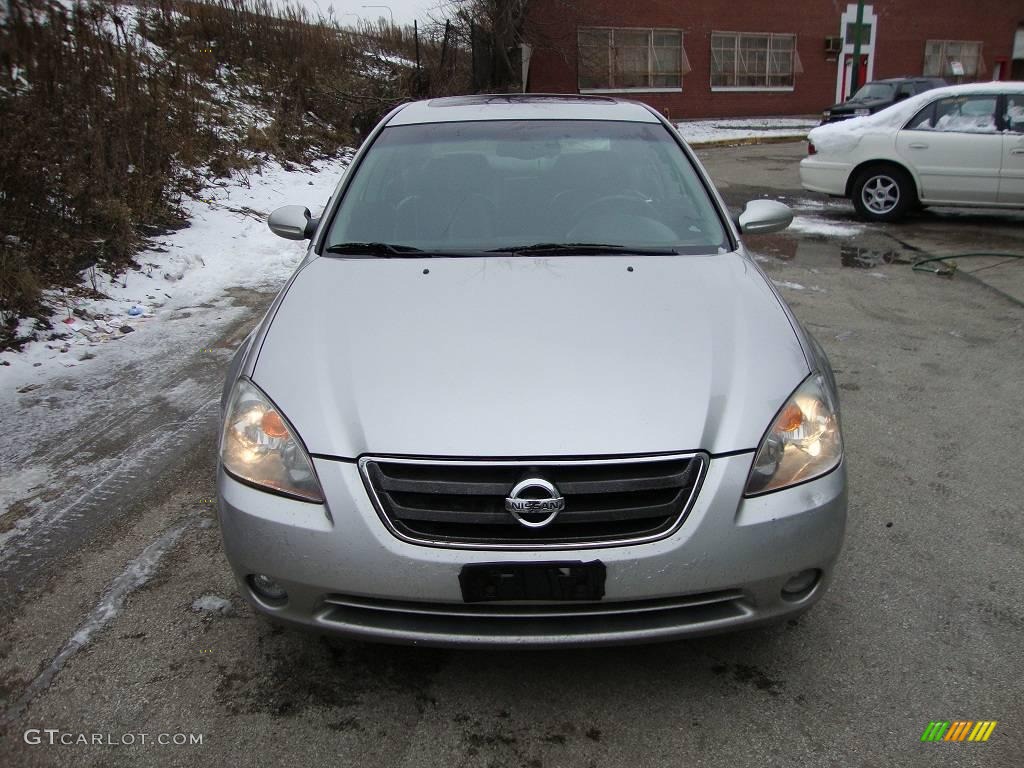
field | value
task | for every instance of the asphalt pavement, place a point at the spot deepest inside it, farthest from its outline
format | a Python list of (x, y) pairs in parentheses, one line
[(101, 637)]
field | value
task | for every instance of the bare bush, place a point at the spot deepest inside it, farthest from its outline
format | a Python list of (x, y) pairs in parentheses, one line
[(112, 114)]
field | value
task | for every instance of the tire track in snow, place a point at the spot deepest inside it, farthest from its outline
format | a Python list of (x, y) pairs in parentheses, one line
[(113, 444), (50, 534), (42, 520)]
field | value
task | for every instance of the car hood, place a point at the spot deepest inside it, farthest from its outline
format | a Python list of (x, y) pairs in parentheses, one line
[(523, 356), (850, 106)]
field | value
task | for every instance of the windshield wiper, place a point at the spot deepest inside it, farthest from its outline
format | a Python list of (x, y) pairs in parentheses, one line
[(374, 249), (396, 251), (393, 250), (582, 249)]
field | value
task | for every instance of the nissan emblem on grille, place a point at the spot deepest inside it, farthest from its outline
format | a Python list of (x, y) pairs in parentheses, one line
[(538, 508)]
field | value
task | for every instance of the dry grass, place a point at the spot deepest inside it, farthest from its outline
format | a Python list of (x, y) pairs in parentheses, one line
[(108, 126)]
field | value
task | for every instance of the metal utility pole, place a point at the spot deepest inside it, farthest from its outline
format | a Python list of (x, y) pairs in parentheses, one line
[(416, 35), (855, 68)]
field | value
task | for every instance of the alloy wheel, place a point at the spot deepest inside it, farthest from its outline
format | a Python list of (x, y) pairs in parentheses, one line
[(881, 194)]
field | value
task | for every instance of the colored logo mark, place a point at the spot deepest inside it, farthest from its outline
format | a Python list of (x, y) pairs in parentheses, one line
[(958, 730)]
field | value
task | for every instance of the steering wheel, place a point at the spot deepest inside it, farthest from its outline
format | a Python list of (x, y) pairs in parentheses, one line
[(486, 214)]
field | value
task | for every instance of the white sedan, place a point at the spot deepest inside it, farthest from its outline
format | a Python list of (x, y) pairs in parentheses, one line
[(960, 146)]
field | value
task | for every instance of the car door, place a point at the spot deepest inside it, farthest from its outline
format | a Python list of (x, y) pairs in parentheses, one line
[(955, 148), (1011, 177)]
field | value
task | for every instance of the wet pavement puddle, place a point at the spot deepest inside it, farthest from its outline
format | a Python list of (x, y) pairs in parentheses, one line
[(819, 252)]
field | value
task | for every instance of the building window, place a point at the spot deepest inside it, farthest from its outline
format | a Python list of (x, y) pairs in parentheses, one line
[(953, 58), (753, 61), (631, 59), (851, 33)]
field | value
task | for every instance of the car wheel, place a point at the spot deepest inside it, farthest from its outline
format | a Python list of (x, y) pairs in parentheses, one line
[(883, 193)]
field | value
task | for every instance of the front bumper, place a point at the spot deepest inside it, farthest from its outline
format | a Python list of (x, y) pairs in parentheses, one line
[(723, 569)]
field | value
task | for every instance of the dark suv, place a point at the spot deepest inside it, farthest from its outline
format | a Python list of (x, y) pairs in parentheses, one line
[(879, 94)]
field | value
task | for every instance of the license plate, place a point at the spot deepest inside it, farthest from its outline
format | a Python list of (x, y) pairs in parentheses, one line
[(574, 580)]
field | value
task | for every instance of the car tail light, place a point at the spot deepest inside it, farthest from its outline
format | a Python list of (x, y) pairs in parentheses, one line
[(811, 149)]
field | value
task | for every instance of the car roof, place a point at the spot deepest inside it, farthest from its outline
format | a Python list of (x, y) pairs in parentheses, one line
[(985, 87), (522, 106), (907, 77)]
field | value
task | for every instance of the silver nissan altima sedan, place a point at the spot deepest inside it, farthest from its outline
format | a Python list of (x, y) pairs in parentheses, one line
[(527, 388)]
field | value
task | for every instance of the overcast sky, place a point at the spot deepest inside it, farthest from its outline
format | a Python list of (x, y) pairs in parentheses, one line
[(404, 10)]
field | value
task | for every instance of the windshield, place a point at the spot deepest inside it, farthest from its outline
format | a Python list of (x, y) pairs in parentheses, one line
[(482, 186), (874, 91)]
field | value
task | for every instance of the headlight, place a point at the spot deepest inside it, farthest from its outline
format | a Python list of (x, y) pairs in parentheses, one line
[(259, 446), (802, 443), (826, 114)]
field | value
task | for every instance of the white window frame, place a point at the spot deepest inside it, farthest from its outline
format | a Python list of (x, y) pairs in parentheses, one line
[(650, 59), (768, 59)]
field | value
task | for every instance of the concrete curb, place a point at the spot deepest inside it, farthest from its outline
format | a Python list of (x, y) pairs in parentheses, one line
[(748, 141)]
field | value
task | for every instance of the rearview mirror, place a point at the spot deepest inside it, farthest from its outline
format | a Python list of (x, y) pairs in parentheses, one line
[(292, 222), (760, 217)]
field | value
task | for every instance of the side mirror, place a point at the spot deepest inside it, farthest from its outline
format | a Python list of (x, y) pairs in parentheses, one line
[(760, 217), (292, 222)]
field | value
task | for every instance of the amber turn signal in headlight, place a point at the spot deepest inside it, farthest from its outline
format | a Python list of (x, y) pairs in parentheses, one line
[(803, 441), (259, 447)]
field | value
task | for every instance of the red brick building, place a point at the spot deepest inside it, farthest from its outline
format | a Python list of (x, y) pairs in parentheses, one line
[(784, 57)]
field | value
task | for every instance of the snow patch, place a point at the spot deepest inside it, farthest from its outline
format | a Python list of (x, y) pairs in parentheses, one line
[(18, 483), (810, 205), (213, 604), (227, 245), (788, 284), (22, 538), (813, 225), (697, 132), (105, 361)]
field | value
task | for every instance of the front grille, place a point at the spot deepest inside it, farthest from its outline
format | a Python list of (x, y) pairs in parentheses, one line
[(462, 503)]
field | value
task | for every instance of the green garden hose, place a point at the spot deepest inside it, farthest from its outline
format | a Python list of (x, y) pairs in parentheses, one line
[(947, 271)]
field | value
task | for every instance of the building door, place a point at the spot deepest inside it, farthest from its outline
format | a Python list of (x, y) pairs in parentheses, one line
[(862, 75), (868, 39)]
